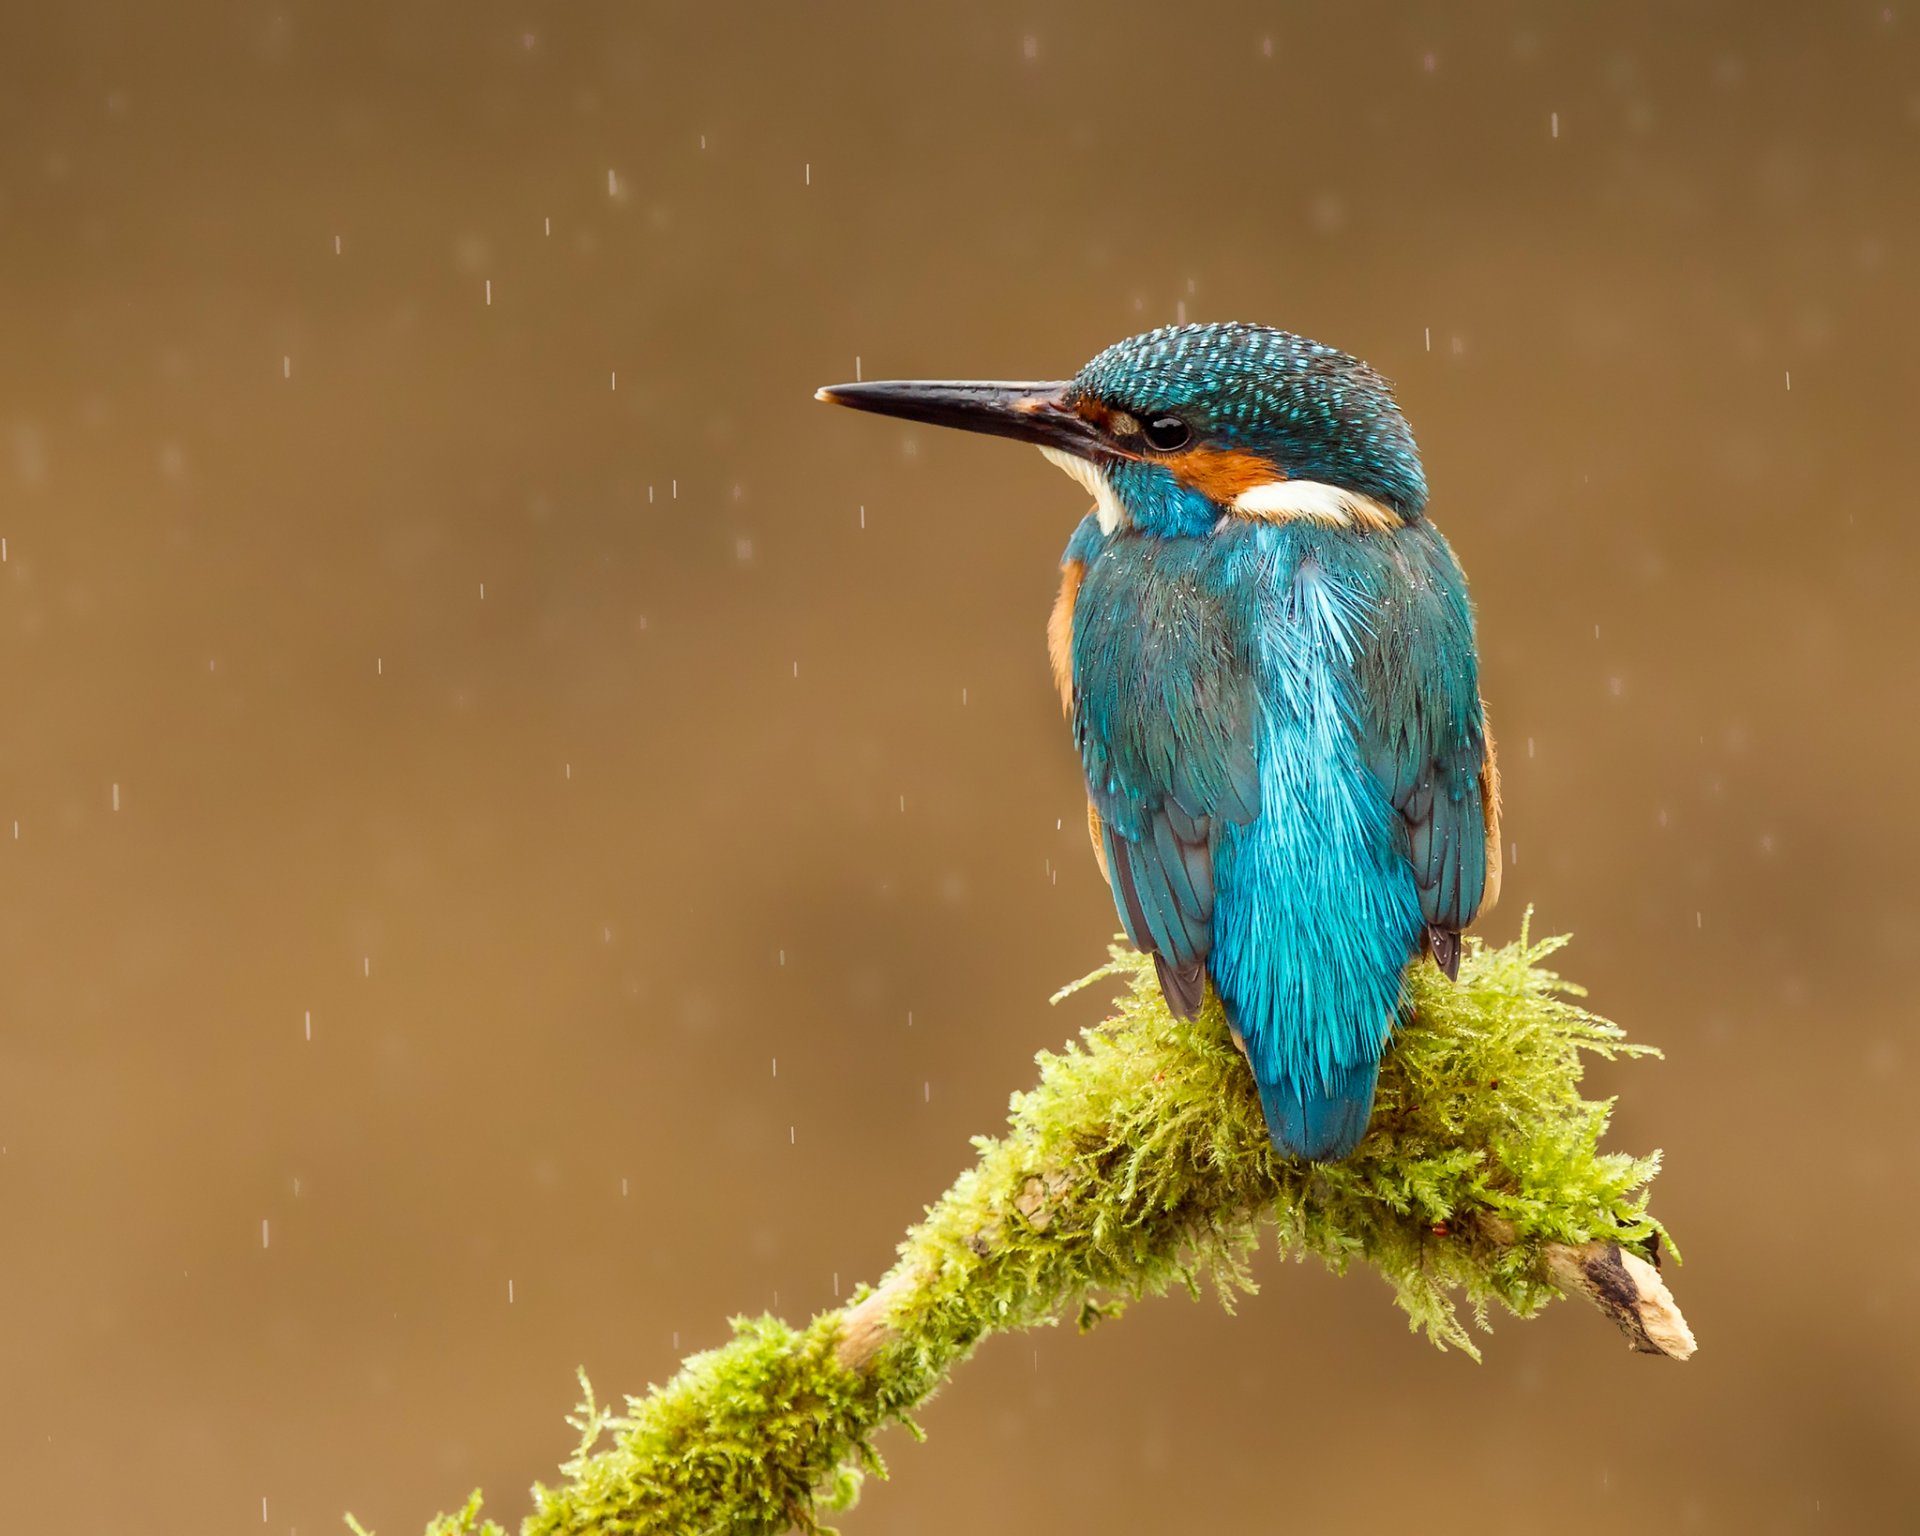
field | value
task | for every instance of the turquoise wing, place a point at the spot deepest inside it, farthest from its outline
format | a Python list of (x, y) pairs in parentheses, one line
[(1423, 734), (1164, 716)]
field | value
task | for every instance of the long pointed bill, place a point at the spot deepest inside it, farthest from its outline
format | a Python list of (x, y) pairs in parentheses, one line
[(1027, 413)]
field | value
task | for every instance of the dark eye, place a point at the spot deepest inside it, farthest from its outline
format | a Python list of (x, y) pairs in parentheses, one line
[(1166, 433)]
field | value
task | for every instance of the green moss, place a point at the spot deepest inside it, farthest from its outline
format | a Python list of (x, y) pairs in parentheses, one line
[(1140, 1162)]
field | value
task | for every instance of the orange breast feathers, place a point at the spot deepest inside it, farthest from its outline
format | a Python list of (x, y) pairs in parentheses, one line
[(1060, 653), (1060, 632), (1490, 809)]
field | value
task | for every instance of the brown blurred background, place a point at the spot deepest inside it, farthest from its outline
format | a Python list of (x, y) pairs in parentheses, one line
[(546, 706)]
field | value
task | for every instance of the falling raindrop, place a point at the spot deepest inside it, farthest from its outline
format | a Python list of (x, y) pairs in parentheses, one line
[(286, 367), (509, 1293), (1556, 125), (116, 797), (489, 292), (309, 1023), (263, 1232)]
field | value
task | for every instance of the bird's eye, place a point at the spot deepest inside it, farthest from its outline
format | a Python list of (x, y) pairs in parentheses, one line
[(1166, 433)]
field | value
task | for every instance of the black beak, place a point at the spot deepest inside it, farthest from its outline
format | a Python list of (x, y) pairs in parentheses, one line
[(1028, 413)]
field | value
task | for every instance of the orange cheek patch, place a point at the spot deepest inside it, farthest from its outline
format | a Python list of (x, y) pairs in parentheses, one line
[(1220, 474)]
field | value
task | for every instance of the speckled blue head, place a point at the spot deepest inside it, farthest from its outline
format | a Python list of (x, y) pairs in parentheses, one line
[(1249, 399), (1177, 428)]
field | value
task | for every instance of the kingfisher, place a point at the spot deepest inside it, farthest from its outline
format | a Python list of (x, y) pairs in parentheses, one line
[(1265, 651)]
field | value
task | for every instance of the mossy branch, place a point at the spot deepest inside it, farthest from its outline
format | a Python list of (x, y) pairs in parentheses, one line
[(1138, 1163)]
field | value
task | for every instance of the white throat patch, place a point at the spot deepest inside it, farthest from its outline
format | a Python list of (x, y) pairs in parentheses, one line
[(1313, 502), (1084, 472)]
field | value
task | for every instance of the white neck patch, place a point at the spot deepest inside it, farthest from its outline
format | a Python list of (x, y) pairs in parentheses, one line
[(1312, 501), (1087, 474)]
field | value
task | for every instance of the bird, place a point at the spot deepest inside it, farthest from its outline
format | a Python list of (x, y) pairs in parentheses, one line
[(1266, 654)]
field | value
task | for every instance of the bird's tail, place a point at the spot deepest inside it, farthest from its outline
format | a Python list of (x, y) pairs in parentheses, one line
[(1321, 1122)]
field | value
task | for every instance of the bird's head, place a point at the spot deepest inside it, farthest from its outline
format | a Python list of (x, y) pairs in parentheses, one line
[(1177, 428)]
